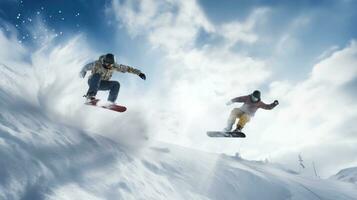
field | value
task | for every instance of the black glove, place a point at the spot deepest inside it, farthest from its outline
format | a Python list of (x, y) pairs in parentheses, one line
[(142, 76), (276, 102)]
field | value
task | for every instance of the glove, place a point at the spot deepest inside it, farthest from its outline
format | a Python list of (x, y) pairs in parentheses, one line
[(229, 103), (276, 102), (82, 74), (142, 76)]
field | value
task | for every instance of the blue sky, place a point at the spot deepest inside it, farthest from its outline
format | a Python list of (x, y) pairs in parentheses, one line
[(63, 16), (199, 54)]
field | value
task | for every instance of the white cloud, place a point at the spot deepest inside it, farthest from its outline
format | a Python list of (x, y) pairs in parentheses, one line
[(74, 191), (327, 53), (17, 51), (175, 24), (288, 43), (314, 112), (339, 68), (237, 31), (167, 24)]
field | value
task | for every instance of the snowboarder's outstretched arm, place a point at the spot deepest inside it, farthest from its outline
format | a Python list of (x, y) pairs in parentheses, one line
[(86, 68), (240, 99), (268, 106), (125, 68)]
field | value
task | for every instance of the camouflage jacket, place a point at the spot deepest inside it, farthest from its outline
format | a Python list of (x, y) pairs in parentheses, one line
[(106, 74), (249, 107)]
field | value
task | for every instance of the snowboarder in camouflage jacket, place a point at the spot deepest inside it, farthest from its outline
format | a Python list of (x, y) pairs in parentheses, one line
[(102, 70)]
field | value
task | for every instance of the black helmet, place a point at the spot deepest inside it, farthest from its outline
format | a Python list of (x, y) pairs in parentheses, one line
[(109, 58), (255, 96)]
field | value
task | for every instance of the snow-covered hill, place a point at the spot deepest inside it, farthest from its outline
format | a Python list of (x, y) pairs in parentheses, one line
[(347, 175), (43, 158)]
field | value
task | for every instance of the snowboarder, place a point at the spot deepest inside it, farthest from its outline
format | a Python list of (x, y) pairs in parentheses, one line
[(102, 70), (251, 103)]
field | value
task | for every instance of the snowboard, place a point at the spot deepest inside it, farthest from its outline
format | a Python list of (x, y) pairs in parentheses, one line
[(114, 107), (226, 134)]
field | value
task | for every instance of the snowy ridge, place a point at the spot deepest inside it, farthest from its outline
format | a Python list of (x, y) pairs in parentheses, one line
[(347, 175), (42, 158)]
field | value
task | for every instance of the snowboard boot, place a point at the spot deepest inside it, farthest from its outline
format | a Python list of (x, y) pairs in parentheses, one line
[(109, 104), (91, 100), (227, 129), (238, 129)]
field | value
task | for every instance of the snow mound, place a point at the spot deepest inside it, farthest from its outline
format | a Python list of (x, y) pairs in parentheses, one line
[(42, 159), (346, 175)]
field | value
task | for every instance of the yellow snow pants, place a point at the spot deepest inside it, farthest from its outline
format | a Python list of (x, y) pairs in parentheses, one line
[(240, 115)]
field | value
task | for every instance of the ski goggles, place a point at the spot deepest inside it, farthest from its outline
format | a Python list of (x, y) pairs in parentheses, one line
[(255, 99), (108, 65)]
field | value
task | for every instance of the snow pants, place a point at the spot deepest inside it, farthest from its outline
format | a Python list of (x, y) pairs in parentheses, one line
[(95, 83), (240, 115)]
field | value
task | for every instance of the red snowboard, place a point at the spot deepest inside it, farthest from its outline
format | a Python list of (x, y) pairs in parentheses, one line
[(114, 107)]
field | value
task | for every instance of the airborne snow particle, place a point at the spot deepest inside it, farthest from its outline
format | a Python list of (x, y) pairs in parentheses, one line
[(60, 11)]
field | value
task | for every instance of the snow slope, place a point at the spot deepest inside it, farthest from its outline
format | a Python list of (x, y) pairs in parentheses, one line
[(43, 158), (347, 175)]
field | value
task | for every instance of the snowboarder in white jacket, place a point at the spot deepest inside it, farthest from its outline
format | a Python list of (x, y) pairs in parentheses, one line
[(101, 72), (251, 103)]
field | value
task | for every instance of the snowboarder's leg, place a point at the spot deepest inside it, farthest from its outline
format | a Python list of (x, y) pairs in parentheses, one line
[(236, 113), (93, 82), (114, 91), (243, 119), (113, 86)]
